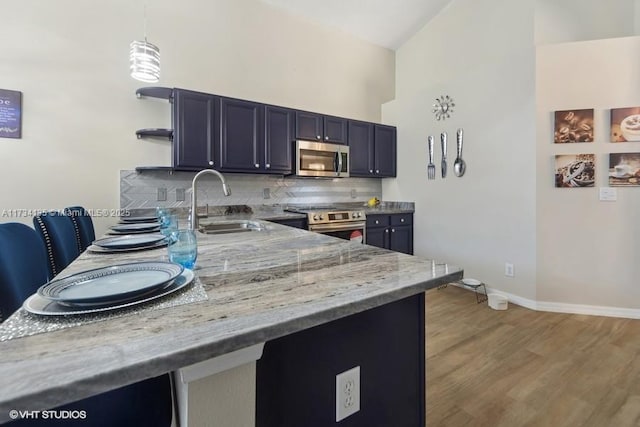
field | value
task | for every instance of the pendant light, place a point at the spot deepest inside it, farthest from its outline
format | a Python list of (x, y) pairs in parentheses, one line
[(144, 58)]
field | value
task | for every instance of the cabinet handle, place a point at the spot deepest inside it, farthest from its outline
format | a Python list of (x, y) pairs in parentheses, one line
[(377, 171), (211, 162), (393, 230), (370, 170), (401, 219), (268, 165), (386, 231), (318, 137), (377, 222), (326, 138), (257, 165)]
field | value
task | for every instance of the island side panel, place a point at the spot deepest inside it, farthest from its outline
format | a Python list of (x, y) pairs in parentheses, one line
[(295, 378)]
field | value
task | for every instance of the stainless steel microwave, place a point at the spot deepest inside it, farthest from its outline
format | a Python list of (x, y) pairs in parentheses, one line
[(321, 159)]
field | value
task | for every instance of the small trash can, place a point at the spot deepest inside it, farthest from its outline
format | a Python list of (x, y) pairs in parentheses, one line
[(498, 302)]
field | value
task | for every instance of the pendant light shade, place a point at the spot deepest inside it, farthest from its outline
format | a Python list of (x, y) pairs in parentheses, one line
[(145, 61)]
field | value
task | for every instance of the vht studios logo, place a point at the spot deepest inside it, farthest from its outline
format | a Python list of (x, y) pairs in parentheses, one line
[(47, 415)]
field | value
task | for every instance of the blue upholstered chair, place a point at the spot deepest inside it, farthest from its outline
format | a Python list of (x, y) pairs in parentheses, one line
[(23, 269), (83, 225), (60, 238)]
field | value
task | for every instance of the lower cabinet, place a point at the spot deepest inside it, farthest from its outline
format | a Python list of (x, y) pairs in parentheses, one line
[(391, 231)]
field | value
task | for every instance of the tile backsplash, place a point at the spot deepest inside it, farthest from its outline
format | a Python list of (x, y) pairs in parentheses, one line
[(141, 189)]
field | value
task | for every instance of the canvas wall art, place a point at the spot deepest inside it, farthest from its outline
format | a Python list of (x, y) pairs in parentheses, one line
[(573, 126), (625, 124), (575, 170), (624, 169)]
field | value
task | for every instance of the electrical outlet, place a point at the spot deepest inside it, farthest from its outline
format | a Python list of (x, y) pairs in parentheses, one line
[(266, 193), (347, 393), (354, 193), (508, 270), (162, 194), (179, 194)]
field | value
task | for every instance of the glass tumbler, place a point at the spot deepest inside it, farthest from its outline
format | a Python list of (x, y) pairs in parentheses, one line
[(168, 224), (183, 248)]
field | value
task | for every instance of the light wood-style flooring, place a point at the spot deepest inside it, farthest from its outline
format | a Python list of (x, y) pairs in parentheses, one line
[(521, 367)]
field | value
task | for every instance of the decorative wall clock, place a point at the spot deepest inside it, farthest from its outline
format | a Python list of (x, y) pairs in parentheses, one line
[(443, 107)]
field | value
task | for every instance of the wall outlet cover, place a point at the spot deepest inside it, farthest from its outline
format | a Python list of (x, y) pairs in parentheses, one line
[(347, 393), (162, 194)]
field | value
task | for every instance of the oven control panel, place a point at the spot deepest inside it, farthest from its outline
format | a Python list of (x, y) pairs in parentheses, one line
[(336, 216)]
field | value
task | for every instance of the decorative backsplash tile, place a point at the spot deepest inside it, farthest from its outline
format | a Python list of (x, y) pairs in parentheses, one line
[(140, 189)]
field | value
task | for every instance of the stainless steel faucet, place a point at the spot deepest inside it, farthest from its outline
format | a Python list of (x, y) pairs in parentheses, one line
[(194, 194)]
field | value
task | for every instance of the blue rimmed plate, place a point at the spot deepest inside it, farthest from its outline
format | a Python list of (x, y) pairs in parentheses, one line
[(136, 226), (37, 305), (130, 241), (112, 284)]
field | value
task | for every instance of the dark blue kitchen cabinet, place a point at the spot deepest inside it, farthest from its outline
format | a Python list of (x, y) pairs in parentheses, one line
[(385, 150), (292, 222), (373, 149), (195, 123), (279, 136), (255, 137), (318, 127), (241, 135), (391, 231), (361, 148)]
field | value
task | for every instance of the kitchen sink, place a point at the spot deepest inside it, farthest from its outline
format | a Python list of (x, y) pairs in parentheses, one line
[(231, 227)]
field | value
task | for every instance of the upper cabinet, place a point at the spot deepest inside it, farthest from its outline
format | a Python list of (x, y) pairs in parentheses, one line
[(373, 149), (318, 127), (196, 123), (234, 135)]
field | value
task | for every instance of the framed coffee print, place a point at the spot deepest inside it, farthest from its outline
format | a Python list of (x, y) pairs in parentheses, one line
[(625, 124), (573, 126), (10, 113), (624, 169), (575, 170)]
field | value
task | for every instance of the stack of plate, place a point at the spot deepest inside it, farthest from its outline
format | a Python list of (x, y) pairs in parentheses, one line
[(108, 288), (128, 243), (135, 227)]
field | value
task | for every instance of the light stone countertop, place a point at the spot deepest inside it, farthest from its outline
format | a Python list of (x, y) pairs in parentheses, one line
[(261, 285)]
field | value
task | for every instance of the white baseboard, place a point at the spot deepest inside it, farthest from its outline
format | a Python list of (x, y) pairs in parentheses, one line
[(559, 307)]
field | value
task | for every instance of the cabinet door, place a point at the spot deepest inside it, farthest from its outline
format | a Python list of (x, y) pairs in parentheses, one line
[(294, 222), (195, 125), (241, 135), (401, 239), (378, 237), (308, 126), (278, 145), (361, 148), (335, 130), (385, 150)]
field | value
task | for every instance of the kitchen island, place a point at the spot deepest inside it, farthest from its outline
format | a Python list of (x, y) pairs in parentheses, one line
[(261, 286)]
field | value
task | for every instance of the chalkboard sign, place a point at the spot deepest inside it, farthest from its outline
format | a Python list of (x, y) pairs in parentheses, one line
[(10, 114)]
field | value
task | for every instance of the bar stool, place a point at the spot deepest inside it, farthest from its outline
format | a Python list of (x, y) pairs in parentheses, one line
[(60, 238), (83, 225), (23, 269)]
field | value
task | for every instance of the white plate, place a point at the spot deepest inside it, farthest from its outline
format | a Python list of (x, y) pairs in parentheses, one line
[(37, 305), (471, 282), (115, 283)]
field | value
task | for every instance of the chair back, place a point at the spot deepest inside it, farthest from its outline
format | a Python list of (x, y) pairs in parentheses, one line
[(83, 225), (23, 266), (61, 241)]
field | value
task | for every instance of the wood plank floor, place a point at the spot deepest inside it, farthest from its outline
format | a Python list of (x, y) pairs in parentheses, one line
[(521, 367)]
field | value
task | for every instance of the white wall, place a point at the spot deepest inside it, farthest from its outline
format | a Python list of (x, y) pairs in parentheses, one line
[(587, 250), (561, 21), (482, 54), (70, 60)]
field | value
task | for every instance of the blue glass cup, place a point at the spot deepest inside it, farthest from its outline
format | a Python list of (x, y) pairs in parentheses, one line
[(168, 224), (183, 248)]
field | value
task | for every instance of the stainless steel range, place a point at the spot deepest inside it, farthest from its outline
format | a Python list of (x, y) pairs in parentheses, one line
[(349, 224)]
